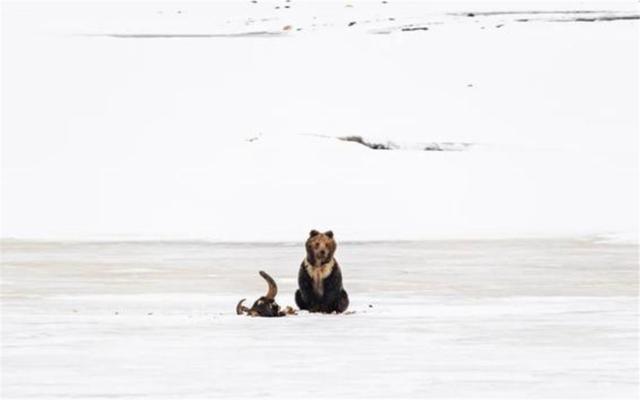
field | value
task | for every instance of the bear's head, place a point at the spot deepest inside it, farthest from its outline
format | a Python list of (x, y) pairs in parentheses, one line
[(320, 247)]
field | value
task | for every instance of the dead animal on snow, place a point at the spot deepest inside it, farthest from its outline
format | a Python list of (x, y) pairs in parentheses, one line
[(266, 305)]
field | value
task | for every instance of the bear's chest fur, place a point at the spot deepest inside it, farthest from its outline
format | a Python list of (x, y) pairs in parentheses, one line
[(318, 274)]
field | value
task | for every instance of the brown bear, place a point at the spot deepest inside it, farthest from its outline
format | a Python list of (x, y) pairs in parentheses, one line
[(320, 278)]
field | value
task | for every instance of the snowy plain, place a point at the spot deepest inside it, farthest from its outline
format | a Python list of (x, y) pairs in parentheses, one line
[(440, 319), (155, 156), (229, 138)]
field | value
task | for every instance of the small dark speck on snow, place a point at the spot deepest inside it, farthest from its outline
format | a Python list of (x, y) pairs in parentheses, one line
[(352, 23)]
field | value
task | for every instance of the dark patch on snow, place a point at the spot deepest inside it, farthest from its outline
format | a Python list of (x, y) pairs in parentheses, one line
[(360, 140), (605, 18), (602, 18), (492, 13), (572, 16), (414, 28), (448, 146), (436, 146)]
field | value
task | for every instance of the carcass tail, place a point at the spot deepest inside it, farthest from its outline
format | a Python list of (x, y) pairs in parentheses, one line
[(273, 288)]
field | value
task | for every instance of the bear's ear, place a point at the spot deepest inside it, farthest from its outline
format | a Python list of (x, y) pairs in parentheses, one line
[(313, 233), (329, 234)]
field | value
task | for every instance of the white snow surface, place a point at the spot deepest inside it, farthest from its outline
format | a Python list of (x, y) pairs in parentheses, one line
[(222, 128), (219, 122), (513, 319)]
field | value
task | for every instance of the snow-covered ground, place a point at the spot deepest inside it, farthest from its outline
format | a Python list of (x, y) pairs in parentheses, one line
[(440, 319), (513, 130), (213, 121)]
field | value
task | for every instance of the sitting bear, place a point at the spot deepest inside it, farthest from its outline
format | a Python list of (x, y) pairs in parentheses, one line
[(320, 278)]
